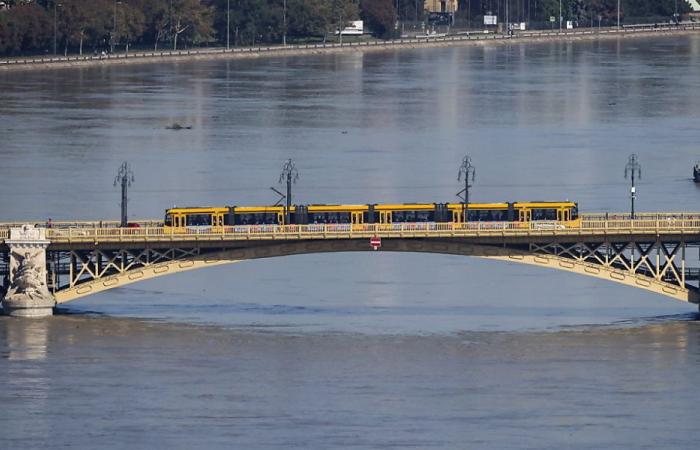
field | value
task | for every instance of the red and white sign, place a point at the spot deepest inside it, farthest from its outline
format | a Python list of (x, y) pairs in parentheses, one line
[(375, 242)]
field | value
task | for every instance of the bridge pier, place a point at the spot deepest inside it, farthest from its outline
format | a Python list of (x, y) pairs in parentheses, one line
[(27, 292)]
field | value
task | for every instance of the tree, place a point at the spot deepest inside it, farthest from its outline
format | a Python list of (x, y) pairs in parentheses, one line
[(192, 19), (78, 20), (25, 28), (156, 14), (308, 17), (343, 11), (379, 16), (131, 24)]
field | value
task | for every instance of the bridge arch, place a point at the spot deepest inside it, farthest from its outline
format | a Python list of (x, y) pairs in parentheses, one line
[(641, 274)]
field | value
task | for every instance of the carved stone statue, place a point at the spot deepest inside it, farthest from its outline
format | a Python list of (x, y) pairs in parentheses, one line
[(28, 279), (28, 291)]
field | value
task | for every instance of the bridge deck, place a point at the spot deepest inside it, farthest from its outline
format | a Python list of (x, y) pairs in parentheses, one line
[(587, 228)]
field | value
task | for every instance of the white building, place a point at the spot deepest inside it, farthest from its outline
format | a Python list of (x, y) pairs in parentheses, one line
[(695, 7), (440, 6)]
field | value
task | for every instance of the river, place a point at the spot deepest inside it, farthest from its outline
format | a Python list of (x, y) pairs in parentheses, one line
[(374, 350)]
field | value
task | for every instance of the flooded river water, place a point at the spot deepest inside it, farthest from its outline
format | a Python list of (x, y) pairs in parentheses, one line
[(374, 350)]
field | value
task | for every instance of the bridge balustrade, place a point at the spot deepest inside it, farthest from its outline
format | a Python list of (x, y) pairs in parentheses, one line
[(83, 233)]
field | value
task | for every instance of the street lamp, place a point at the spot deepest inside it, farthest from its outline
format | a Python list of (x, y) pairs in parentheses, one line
[(618, 14), (114, 27), (290, 175), (56, 5), (228, 24), (560, 16), (468, 171), (633, 168), (125, 176), (284, 23), (675, 14)]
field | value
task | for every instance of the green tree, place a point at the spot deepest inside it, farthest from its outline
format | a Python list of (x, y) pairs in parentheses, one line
[(131, 24), (342, 13), (79, 21), (192, 21), (379, 16), (308, 17), (156, 15), (25, 28)]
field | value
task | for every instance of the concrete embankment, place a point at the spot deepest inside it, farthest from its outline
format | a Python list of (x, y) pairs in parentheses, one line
[(19, 64)]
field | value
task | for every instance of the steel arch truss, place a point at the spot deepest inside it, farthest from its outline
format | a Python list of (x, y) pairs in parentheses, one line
[(76, 273), (4, 273), (654, 265)]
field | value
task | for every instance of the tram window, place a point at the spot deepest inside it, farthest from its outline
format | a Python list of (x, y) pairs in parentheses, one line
[(198, 219), (544, 214), (329, 217), (168, 220), (487, 215), (256, 219), (574, 213), (425, 216)]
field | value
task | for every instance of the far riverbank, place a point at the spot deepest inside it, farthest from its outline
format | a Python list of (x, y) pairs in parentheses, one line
[(641, 31)]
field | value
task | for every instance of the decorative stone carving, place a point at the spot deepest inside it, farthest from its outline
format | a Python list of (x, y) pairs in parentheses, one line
[(28, 295), (27, 233)]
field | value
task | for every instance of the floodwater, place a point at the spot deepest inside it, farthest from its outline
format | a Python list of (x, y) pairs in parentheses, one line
[(372, 350)]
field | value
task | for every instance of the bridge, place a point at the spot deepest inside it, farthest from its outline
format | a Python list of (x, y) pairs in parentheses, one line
[(43, 266)]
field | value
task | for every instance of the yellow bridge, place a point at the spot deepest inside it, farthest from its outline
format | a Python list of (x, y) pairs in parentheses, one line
[(651, 252)]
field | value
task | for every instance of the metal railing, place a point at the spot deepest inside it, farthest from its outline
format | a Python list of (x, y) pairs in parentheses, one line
[(476, 36), (641, 216), (395, 230), (81, 224)]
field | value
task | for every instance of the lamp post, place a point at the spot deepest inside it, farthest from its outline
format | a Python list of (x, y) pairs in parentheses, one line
[(618, 14), (56, 5), (124, 178), (290, 175), (114, 28), (560, 16), (284, 22), (633, 168), (228, 24), (675, 13), (467, 170)]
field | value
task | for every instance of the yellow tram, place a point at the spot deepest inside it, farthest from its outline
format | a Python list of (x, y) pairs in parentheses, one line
[(562, 213)]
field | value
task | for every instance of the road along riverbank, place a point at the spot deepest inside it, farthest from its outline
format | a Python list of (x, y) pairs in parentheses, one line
[(640, 31)]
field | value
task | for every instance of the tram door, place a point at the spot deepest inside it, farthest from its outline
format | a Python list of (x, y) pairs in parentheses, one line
[(525, 215), (384, 216), (457, 216), (217, 220), (563, 215), (356, 219), (280, 218)]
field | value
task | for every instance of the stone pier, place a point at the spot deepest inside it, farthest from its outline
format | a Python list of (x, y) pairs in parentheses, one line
[(28, 294)]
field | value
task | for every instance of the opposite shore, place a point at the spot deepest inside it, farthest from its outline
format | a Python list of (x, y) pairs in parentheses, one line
[(640, 31)]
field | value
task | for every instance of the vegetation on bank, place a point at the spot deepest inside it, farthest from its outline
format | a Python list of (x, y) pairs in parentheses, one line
[(45, 26)]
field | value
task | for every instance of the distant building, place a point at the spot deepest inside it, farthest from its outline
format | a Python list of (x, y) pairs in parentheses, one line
[(440, 6), (694, 9)]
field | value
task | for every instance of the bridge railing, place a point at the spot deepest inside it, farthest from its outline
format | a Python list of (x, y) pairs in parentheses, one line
[(81, 224), (640, 216), (272, 232)]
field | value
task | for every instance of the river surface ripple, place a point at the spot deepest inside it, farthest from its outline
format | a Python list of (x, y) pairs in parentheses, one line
[(372, 350)]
